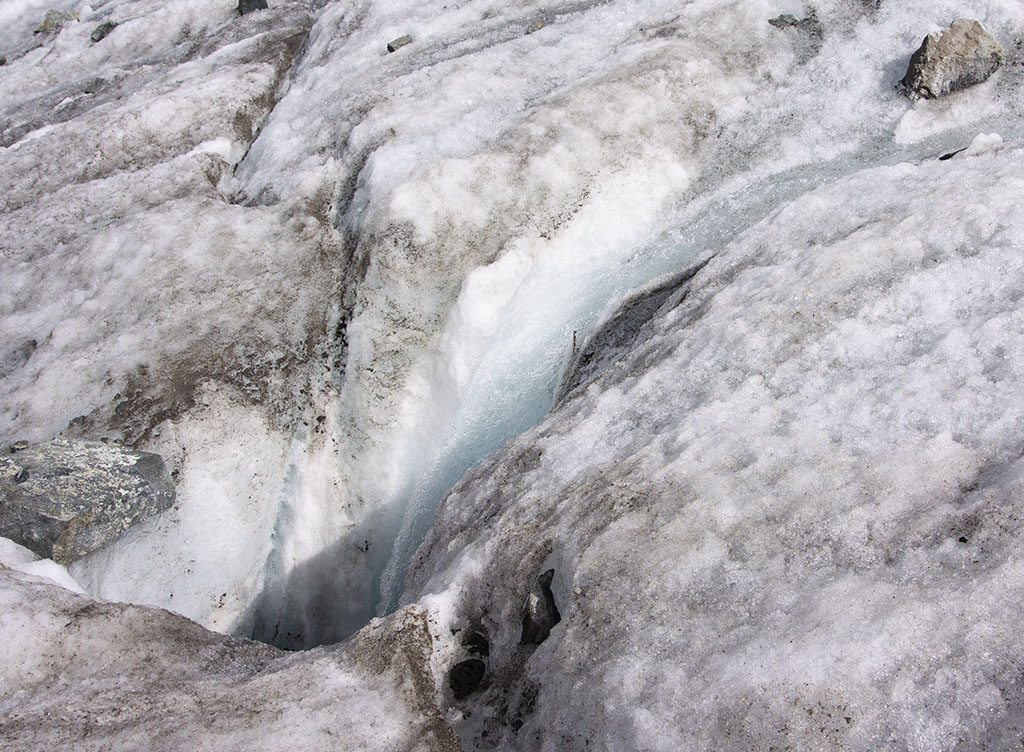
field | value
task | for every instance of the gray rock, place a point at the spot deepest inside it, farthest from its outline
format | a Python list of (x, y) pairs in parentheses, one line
[(403, 40), (540, 613), (65, 498), (784, 21), (248, 6), (952, 59), (93, 85), (102, 30), (55, 20)]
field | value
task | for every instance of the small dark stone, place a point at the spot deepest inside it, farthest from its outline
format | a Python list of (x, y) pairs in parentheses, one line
[(22, 476), (395, 44), (540, 613), (18, 445), (465, 677), (93, 85), (248, 6), (102, 30), (943, 158), (784, 21), (477, 644), (963, 538), (3, 60)]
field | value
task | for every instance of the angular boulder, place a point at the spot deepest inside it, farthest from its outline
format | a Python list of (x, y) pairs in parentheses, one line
[(952, 59), (63, 499)]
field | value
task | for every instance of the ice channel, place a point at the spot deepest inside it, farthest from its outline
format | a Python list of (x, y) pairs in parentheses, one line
[(508, 383)]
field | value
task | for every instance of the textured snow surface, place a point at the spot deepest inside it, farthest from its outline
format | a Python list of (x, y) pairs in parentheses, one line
[(322, 281), (139, 302), (86, 675), (791, 517)]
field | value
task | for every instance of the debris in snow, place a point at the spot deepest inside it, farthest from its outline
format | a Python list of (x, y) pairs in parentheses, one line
[(465, 677), (54, 21), (395, 44), (540, 613), (93, 85), (248, 6), (64, 498), (535, 26), (784, 21), (952, 59), (102, 30)]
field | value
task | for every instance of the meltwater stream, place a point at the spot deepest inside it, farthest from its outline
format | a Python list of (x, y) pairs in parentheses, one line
[(561, 301), (505, 351)]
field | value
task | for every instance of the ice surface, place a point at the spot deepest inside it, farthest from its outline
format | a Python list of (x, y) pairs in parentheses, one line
[(138, 301), (790, 517), (323, 280), (538, 155), (87, 675), (21, 559)]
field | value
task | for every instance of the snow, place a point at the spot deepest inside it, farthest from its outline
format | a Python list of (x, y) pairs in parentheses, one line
[(21, 559), (325, 281)]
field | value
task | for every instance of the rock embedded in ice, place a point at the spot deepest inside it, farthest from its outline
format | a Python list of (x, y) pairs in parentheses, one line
[(540, 613), (102, 30), (477, 644), (395, 44), (465, 677), (784, 21), (952, 59), (248, 6), (64, 499)]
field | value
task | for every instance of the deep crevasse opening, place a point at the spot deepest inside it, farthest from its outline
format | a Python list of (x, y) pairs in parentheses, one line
[(509, 340)]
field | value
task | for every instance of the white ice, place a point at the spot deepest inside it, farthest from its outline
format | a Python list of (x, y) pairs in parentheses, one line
[(21, 559)]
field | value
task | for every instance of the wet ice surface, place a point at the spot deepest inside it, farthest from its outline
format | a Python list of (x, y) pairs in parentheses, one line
[(322, 287)]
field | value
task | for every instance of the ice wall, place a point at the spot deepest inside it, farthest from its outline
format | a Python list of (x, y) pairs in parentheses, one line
[(790, 516)]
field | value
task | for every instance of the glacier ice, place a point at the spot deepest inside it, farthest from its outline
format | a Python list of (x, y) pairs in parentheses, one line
[(323, 281), (790, 516)]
